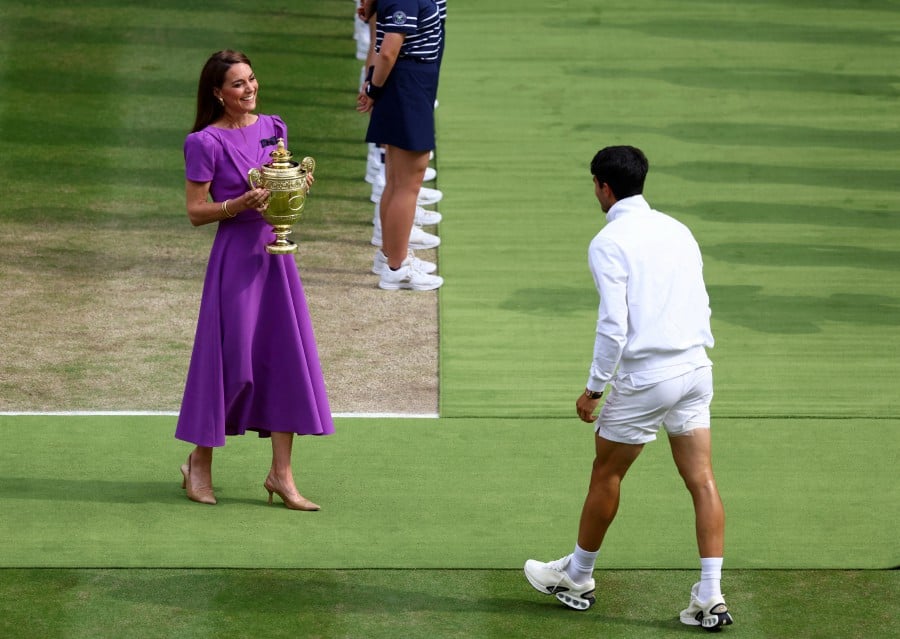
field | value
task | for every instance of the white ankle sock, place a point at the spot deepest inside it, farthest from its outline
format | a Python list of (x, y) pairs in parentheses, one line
[(710, 578), (581, 566)]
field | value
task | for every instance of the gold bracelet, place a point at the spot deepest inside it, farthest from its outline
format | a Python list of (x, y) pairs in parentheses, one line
[(225, 209)]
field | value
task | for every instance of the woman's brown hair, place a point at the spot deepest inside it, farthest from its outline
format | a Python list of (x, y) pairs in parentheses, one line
[(209, 109)]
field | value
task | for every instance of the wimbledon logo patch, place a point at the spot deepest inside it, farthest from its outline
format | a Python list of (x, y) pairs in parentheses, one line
[(399, 17)]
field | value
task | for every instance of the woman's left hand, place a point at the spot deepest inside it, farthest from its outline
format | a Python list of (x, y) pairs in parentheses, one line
[(309, 180)]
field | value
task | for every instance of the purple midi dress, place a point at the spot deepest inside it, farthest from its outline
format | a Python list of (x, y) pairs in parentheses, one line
[(254, 364)]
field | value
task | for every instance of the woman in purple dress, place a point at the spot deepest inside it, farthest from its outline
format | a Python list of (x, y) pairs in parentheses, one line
[(254, 365)]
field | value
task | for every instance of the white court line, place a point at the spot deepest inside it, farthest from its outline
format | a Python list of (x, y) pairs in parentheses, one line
[(151, 413)]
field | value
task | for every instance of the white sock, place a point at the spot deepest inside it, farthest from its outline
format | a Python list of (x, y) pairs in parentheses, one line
[(581, 566), (710, 578)]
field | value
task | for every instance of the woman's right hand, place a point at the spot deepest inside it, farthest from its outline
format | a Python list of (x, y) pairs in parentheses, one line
[(257, 199)]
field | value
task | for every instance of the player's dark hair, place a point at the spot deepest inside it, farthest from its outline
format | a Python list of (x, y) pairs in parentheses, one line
[(623, 168)]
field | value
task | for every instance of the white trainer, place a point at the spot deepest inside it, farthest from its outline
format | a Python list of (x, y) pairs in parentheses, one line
[(408, 277), (418, 239), (375, 166), (712, 615), (426, 195), (423, 217), (380, 263), (552, 579)]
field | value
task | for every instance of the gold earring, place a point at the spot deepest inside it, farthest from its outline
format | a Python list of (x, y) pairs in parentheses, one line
[(221, 101)]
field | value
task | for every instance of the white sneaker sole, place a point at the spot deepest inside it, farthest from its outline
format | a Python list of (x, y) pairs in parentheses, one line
[(408, 286), (575, 602), (717, 619)]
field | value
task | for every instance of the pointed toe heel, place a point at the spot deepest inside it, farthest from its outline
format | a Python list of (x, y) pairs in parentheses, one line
[(293, 502)]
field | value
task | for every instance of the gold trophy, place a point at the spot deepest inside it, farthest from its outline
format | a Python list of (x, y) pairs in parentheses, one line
[(286, 182)]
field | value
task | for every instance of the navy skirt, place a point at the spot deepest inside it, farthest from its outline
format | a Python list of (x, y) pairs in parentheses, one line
[(404, 114)]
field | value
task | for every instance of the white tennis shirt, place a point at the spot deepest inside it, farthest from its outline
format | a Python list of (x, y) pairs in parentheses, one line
[(653, 321)]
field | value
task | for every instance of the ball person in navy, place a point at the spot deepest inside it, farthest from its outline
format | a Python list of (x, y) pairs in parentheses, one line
[(399, 94)]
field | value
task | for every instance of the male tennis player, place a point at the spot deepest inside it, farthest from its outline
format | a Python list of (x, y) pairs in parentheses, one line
[(652, 334)]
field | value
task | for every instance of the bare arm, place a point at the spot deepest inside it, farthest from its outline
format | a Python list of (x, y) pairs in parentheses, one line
[(383, 62), (201, 211)]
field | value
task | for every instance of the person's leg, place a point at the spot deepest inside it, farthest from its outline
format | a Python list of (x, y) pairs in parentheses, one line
[(570, 578), (404, 171), (692, 453), (280, 479), (611, 462)]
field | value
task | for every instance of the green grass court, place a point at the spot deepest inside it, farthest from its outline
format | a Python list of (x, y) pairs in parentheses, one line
[(772, 131)]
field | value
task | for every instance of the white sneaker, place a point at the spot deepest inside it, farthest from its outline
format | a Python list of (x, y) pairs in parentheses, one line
[(551, 579), (423, 217), (375, 165), (426, 196), (408, 277), (418, 239), (711, 615), (380, 263)]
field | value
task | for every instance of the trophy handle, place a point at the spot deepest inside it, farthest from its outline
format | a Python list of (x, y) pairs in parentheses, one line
[(308, 164), (253, 178)]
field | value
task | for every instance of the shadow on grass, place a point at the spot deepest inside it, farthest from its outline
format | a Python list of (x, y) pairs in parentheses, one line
[(423, 597), (748, 306)]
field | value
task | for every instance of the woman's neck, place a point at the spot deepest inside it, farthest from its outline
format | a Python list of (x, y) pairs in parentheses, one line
[(236, 120)]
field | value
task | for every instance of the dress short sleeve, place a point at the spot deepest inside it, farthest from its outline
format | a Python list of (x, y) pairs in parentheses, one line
[(201, 152), (280, 129)]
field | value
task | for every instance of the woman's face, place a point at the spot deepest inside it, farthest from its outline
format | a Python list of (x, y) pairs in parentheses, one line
[(239, 89)]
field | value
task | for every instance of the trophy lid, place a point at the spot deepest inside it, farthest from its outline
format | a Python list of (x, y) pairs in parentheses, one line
[(281, 157)]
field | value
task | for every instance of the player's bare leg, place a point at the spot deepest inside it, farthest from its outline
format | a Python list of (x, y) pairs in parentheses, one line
[(611, 462), (692, 453)]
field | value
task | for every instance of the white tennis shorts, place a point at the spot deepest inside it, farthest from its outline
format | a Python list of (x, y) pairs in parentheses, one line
[(634, 414)]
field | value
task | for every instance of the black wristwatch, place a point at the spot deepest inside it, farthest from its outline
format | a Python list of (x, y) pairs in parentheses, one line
[(593, 394)]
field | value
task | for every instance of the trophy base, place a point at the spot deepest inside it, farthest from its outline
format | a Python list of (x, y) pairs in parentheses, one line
[(281, 249), (282, 245)]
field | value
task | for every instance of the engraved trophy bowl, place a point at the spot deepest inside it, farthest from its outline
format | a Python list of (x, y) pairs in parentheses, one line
[(286, 182)]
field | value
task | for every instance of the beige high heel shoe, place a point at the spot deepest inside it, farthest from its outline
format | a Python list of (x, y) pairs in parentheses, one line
[(298, 503), (202, 495)]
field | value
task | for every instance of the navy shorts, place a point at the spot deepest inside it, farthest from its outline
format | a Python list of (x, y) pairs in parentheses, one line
[(404, 114)]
